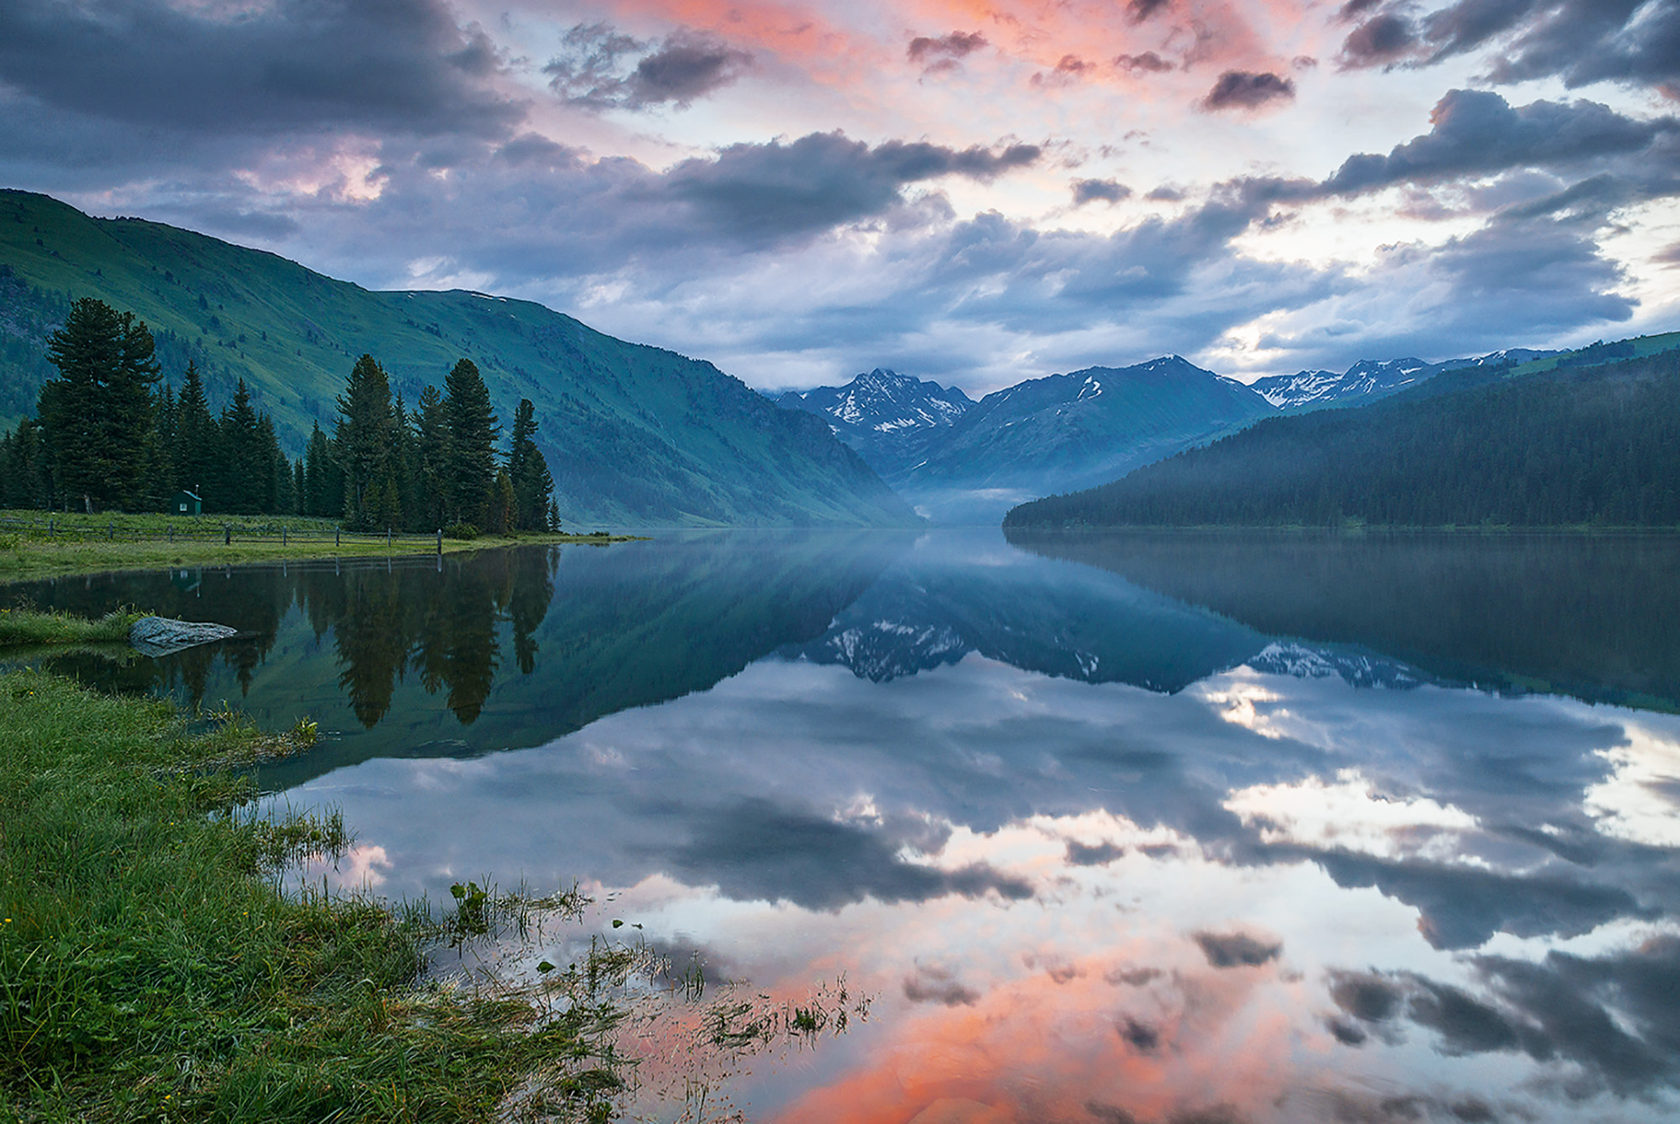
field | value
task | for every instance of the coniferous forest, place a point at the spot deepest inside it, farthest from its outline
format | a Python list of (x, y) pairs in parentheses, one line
[(1574, 446), (111, 433)]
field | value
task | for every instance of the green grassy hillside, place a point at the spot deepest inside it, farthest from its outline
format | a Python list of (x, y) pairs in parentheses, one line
[(633, 434)]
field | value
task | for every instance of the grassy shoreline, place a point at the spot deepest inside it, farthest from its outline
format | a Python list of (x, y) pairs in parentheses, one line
[(136, 985), (79, 545)]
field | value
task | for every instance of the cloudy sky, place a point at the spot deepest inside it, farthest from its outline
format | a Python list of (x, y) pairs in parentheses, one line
[(975, 191)]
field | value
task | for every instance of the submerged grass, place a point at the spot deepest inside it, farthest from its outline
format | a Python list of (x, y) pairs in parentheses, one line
[(152, 969)]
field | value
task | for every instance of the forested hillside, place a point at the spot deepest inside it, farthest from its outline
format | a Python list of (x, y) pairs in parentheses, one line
[(633, 434), (1584, 441)]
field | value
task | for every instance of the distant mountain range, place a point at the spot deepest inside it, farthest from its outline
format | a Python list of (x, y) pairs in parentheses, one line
[(634, 435), (890, 419), (1031, 439), (960, 461), (1368, 380), (1577, 438)]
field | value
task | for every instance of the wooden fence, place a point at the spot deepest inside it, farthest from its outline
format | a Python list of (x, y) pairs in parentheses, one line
[(206, 529)]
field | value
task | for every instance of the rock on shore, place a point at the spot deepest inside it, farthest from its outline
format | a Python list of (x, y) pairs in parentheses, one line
[(159, 636)]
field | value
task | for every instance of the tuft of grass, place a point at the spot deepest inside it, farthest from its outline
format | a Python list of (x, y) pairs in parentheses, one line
[(25, 625), (151, 968)]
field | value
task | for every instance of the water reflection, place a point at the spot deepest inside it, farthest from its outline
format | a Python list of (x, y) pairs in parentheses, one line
[(1124, 831)]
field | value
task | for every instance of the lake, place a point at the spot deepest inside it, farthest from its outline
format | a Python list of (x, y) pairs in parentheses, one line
[(1200, 829)]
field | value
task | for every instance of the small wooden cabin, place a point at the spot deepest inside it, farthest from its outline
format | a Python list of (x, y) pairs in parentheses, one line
[(186, 503)]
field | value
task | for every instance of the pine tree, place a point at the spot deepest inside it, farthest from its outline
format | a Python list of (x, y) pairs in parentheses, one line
[(405, 461), (323, 482), (275, 483), (499, 514), (197, 454), (163, 439), (25, 474), (248, 469), (363, 446), (533, 485), (470, 451), (431, 443), (97, 414)]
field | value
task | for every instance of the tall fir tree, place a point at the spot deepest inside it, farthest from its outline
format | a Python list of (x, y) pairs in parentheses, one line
[(276, 472), (97, 414), (470, 449), (363, 446), (323, 481), (248, 469), (406, 464), (533, 484), (25, 474), (197, 443), (431, 443)]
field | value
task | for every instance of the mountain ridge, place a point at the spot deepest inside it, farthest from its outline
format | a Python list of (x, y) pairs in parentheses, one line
[(1584, 438), (1047, 434)]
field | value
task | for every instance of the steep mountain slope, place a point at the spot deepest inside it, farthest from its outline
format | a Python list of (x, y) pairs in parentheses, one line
[(889, 418), (633, 434), (1564, 440), (1071, 431), (1369, 380)]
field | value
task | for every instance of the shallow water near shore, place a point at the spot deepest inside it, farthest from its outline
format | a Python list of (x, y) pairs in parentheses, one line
[(1229, 828)]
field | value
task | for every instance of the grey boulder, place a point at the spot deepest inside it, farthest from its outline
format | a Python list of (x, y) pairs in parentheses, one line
[(159, 636)]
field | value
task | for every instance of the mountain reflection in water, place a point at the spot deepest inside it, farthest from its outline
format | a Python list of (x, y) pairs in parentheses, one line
[(1166, 828)]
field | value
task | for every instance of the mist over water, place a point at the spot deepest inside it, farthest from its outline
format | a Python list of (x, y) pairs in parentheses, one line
[(1129, 828)]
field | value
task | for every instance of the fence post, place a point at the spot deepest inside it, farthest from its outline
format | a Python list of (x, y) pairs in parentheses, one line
[(52, 527), (283, 539), (172, 532), (111, 530), (335, 535), (440, 542), (227, 534), (387, 538)]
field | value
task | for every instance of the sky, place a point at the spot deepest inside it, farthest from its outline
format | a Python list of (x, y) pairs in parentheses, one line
[(973, 191)]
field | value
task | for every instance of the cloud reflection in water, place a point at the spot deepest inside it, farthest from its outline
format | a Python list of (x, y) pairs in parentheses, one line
[(1095, 902)]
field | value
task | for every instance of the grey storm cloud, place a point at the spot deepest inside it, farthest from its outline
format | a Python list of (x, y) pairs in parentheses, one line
[(1148, 63), (761, 849), (1463, 906), (1091, 191), (1140, 10), (1580, 41), (1093, 854), (1141, 1036), (1382, 39), (1242, 89), (401, 66), (1475, 132), (1237, 950), (594, 69), (956, 45), (933, 984), (1616, 1016), (763, 192)]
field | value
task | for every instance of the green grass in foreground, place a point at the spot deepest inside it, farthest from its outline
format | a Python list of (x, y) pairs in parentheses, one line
[(151, 968), (33, 626), (80, 545)]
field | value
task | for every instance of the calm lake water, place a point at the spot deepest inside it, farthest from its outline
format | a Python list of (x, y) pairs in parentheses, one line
[(1188, 829)]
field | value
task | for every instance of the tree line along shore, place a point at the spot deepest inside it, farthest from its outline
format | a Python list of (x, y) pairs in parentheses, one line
[(112, 434)]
